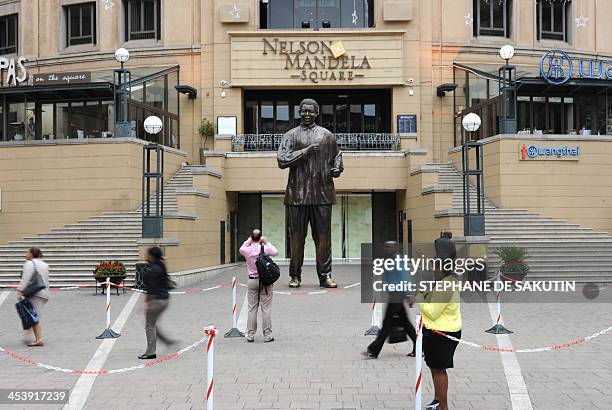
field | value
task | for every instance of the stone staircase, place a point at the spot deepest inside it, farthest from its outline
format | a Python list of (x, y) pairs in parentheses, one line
[(73, 250), (557, 250)]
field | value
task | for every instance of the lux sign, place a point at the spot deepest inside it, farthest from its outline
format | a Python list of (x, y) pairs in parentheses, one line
[(557, 67)]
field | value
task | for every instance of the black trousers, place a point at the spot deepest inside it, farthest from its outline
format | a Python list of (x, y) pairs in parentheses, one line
[(395, 316), (298, 218)]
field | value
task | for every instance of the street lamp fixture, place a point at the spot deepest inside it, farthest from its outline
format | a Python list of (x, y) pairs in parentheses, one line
[(506, 52), (122, 56), (153, 125), (471, 122)]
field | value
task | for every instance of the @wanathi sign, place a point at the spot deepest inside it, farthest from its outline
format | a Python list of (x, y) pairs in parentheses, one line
[(318, 61), (548, 153)]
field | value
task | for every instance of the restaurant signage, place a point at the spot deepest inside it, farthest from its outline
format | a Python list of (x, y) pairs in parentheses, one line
[(537, 152), (557, 67), (62, 78), (318, 61), (13, 72)]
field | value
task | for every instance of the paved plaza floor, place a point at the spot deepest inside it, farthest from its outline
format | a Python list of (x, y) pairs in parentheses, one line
[(315, 361)]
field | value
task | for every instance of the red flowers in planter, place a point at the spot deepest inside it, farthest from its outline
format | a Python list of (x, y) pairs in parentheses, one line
[(109, 268)]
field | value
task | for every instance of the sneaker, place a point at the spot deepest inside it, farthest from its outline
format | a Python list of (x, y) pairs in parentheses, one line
[(368, 355), (268, 339), (250, 338), (433, 405), (327, 282), (294, 283)]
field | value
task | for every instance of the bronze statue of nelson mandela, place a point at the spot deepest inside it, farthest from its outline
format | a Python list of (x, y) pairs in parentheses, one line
[(313, 158)]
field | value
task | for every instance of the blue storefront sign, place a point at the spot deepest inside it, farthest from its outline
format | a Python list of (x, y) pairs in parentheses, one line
[(557, 67), (527, 152)]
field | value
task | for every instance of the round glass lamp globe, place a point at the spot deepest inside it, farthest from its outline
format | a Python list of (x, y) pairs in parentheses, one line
[(506, 52), (153, 124), (471, 122), (122, 55)]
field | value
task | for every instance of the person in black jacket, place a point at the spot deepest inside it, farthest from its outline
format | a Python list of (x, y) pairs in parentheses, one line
[(156, 283)]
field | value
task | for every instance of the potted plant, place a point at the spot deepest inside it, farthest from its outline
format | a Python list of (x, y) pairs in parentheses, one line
[(513, 262), (114, 270)]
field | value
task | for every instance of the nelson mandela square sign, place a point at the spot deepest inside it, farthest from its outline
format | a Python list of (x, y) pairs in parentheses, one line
[(318, 61)]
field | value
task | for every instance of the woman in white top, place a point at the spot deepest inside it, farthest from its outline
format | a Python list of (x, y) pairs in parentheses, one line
[(34, 263)]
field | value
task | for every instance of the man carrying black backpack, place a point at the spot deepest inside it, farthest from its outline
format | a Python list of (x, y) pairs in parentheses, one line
[(259, 295)]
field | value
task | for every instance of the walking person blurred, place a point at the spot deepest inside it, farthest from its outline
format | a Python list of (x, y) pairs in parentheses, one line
[(395, 313), (34, 286), (157, 283), (440, 311), (258, 296)]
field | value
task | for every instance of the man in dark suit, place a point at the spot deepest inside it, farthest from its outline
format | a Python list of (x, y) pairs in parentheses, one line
[(446, 250)]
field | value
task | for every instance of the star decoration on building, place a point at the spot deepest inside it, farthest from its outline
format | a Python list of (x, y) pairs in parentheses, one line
[(469, 20), (108, 5), (582, 21), (235, 12)]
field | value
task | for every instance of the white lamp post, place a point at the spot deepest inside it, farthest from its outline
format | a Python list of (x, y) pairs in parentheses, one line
[(471, 122), (122, 56), (153, 125), (506, 52)]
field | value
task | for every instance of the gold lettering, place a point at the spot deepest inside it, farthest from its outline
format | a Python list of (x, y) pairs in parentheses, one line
[(345, 62), (293, 64), (312, 50), (341, 76), (313, 77), (365, 63), (268, 45), (318, 62), (302, 47), (350, 75), (325, 46), (307, 63), (332, 76), (282, 47)]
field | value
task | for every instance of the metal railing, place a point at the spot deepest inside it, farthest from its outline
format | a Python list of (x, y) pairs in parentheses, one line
[(346, 142)]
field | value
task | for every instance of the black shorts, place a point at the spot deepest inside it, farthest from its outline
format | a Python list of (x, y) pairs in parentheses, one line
[(439, 350)]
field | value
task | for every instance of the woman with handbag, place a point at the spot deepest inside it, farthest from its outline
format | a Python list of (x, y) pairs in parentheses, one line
[(157, 284), (34, 286)]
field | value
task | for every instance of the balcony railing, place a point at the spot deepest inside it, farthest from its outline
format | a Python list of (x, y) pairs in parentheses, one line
[(346, 142)]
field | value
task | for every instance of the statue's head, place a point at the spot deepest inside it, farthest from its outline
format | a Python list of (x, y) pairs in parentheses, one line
[(309, 110)]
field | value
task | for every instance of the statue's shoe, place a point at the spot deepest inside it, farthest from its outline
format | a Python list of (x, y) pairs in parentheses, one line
[(294, 283), (327, 282)]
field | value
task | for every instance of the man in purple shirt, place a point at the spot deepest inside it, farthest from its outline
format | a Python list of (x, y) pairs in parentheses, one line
[(311, 153), (250, 250)]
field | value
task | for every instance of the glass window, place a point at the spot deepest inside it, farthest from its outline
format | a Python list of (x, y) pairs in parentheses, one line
[(155, 91), (47, 122), (539, 113), (315, 14), (478, 90), (30, 123), (552, 19), (568, 107), (251, 116), (585, 108), (8, 34), (356, 117), (369, 118), (173, 95), (492, 17), (327, 116), (62, 120), (16, 122), (342, 118), (142, 19), (282, 117), (524, 113), (81, 24), (137, 92), (555, 118), (267, 117)]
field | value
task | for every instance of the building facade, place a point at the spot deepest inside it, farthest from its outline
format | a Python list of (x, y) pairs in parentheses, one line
[(393, 79)]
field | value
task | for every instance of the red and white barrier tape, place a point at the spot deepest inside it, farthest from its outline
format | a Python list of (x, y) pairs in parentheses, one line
[(313, 292), (16, 356), (534, 350), (418, 392), (211, 332)]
